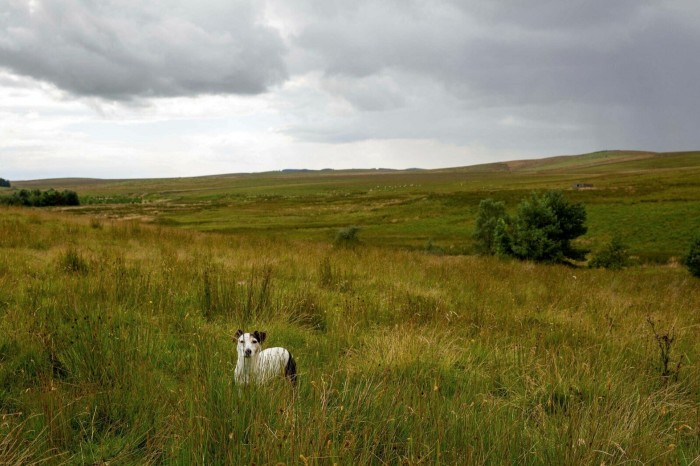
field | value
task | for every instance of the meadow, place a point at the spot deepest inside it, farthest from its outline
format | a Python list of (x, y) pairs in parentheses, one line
[(649, 199), (117, 318)]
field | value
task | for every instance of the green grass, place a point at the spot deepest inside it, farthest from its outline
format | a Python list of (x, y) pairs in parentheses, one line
[(115, 346), (642, 224), (116, 321), (405, 209)]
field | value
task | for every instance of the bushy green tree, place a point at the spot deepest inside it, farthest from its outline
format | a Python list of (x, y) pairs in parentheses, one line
[(615, 255), (692, 258), (70, 198), (487, 219), (38, 198), (4, 183), (542, 229)]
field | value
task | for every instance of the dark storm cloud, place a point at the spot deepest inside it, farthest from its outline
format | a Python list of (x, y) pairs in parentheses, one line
[(129, 49), (622, 71), (536, 76), (540, 51)]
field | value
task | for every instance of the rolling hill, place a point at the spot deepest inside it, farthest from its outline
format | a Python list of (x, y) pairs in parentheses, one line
[(650, 199)]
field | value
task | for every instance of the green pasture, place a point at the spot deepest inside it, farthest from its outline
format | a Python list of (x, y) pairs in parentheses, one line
[(117, 317), (116, 348), (650, 200)]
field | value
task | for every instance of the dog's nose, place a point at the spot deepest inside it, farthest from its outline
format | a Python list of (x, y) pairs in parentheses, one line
[(247, 352)]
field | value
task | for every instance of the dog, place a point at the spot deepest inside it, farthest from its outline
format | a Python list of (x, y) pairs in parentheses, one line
[(256, 366)]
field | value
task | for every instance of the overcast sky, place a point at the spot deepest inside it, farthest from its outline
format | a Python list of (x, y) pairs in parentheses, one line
[(158, 88)]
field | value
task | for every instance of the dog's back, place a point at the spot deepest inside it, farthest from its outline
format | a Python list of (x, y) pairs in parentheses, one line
[(275, 361)]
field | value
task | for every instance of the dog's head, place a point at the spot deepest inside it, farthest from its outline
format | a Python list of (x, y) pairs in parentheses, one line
[(248, 344)]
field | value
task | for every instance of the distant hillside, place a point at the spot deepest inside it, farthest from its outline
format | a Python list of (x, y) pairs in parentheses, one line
[(615, 159), (648, 198), (594, 164)]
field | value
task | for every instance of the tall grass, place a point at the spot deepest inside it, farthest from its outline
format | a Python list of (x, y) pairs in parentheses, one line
[(404, 357)]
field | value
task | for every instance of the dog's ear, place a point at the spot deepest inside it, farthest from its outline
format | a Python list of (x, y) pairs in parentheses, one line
[(260, 336), (239, 332)]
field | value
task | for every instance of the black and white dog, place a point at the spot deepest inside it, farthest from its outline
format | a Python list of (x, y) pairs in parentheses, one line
[(258, 366)]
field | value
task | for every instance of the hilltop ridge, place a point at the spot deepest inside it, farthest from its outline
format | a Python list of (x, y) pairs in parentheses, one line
[(598, 161)]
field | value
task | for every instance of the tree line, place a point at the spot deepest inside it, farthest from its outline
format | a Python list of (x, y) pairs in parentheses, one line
[(38, 198)]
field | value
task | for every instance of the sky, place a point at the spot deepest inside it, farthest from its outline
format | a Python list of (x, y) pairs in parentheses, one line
[(170, 88)]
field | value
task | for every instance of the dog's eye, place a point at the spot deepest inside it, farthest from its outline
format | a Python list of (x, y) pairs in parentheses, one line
[(240, 341), (255, 341)]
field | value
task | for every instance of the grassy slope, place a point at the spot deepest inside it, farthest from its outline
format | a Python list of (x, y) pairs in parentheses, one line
[(115, 346), (651, 200), (115, 336)]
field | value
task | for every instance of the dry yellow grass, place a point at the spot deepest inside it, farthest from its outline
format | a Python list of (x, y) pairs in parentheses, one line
[(404, 356)]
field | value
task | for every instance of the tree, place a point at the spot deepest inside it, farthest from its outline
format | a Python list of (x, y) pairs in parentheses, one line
[(489, 214), (70, 198), (692, 258), (542, 229), (37, 198), (4, 183)]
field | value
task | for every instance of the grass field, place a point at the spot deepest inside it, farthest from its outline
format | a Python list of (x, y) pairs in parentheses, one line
[(651, 200), (116, 327)]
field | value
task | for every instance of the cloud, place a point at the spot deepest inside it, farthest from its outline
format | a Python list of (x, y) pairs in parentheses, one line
[(125, 50), (240, 84), (494, 52), (621, 72)]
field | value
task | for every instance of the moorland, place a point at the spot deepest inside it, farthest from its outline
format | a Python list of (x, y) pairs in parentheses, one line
[(117, 317)]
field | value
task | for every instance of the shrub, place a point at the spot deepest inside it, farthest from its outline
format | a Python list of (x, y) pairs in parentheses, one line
[(542, 229), (490, 213), (347, 236), (692, 258), (668, 369), (614, 255)]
